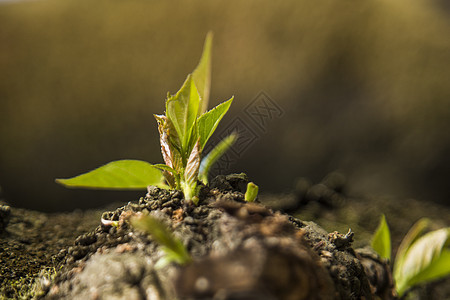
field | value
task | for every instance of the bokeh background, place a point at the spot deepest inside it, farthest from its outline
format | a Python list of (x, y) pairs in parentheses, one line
[(363, 86)]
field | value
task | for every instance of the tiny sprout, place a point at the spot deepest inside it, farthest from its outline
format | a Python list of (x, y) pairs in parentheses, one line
[(420, 258), (173, 248), (252, 192)]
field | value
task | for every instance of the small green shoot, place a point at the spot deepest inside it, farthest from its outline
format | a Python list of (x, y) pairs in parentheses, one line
[(413, 234), (184, 130), (173, 248), (214, 155), (252, 192), (381, 241), (420, 258)]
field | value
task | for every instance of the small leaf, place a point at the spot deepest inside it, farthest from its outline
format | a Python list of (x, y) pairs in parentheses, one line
[(208, 122), (426, 259), (193, 165), (252, 192), (381, 241), (202, 74), (164, 140), (413, 234), (189, 184), (439, 268), (120, 174), (175, 250), (214, 155), (182, 109), (163, 167), (170, 142)]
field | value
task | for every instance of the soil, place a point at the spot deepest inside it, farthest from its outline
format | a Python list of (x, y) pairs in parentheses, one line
[(265, 250)]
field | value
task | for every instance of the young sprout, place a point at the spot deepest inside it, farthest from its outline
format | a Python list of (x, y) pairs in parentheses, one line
[(420, 257), (252, 192), (184, 130), (173, 248), (381, 241)]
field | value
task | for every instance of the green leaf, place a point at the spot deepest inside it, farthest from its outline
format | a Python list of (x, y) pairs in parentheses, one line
[(425, 260), (214, 155), (413, 234), (120, 174), (208, 122), (163, 167), (202, 74), (175, 250), (381, 241), (439, 268), (182, 109)]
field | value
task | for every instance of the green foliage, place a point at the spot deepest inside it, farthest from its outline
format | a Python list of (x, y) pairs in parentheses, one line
[(208, 122), (174, 250), (420, 257), (202, 74), (252, 192), (120, 174), (182, 110), (184, 131), (413, 234), (381, 241), (424, 259), (214, 155)]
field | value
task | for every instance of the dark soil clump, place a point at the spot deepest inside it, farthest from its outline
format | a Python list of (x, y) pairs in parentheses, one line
[(240, 250)]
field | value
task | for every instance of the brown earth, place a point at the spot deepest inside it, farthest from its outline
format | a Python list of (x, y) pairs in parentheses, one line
[(72, 255)]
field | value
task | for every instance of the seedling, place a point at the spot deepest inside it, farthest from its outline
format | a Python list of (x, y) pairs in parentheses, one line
[(420, 257), (184, 130), (381, 241), (173, 248), (252, 192)]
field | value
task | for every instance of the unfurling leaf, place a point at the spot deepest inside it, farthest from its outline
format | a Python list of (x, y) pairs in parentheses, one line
[(252, 192), (182, 109), (121, 174), (170, 142), (189, 184), (202, 74), (426, 259), (208, 122), (413, 234), (164, 140), (381, 241), (193, 165), (214, 155), (173, 248)]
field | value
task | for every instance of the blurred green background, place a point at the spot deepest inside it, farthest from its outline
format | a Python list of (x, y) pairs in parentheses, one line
[(364, 86)]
